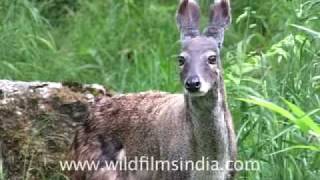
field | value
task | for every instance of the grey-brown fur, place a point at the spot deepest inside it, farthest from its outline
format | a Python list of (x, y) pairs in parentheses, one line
[(167, 126)]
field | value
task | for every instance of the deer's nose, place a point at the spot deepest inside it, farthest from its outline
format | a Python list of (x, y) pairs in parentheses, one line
[(193, 84)]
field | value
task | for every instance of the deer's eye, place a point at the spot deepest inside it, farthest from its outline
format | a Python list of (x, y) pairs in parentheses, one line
[(181, 60), (212, 59)]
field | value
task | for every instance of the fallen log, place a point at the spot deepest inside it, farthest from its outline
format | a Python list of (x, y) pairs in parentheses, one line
[(37, 125)]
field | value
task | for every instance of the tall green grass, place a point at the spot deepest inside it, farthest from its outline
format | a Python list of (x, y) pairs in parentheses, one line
[(271, 60)]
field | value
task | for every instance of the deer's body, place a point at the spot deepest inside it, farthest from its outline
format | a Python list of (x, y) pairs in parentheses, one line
[(162, 126), (155, 124)]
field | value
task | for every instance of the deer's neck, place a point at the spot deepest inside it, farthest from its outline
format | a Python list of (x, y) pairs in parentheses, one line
[(209, 128)]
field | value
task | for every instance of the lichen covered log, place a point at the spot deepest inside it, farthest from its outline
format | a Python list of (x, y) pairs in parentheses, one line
[(37, 125)]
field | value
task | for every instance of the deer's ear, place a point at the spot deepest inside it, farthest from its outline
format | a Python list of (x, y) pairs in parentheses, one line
[(219, 20), (188, 17)]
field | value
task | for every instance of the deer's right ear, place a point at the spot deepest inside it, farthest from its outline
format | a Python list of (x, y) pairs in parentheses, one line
[(188, 17)]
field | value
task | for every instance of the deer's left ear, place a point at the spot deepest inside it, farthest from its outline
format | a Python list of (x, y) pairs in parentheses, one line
[(188, 17), (220, 19)]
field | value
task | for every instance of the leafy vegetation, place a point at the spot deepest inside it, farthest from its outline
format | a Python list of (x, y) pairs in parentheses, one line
[(271, 62)]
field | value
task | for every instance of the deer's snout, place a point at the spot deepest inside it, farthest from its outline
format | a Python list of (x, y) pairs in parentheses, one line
[(193, 84)]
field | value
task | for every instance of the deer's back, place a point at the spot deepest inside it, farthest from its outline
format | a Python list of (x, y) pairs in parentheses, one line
[(138, 124)]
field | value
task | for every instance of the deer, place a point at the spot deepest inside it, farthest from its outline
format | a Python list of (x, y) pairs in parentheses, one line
[(173, 127)]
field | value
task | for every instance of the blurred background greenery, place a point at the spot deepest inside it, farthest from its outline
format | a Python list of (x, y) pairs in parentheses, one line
[(271, 62)]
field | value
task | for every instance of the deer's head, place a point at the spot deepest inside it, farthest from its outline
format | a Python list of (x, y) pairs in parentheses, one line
[(199, 59)]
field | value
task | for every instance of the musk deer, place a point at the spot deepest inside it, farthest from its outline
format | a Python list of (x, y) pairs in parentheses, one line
[(175, 128)]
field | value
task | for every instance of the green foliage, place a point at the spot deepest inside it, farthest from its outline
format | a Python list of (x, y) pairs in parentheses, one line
[(298, 117), (2, 173), (271, 53)]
